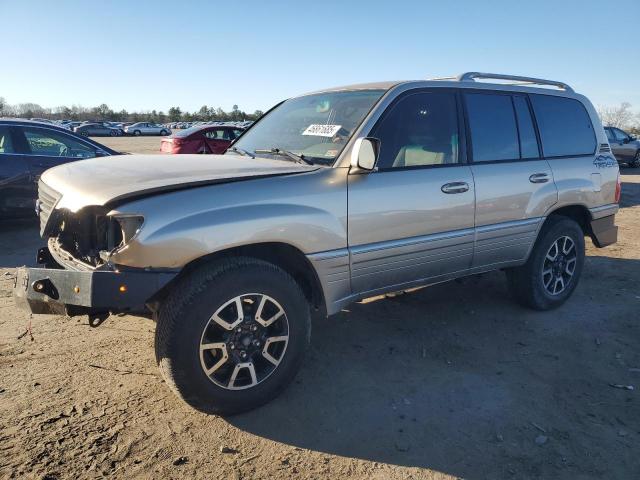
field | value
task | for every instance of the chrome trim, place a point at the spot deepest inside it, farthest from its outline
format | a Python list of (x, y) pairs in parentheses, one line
[(372, 247), (514, 223)]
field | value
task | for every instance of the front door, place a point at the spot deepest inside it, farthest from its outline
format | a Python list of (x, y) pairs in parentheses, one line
[(411, 220), (514, 185), (46, 148)]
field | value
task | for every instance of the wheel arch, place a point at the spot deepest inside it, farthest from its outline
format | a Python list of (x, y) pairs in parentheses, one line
[(283, 255), (579, 213)]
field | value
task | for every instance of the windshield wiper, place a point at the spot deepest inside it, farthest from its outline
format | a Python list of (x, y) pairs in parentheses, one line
[(286, 153), (242, 151)]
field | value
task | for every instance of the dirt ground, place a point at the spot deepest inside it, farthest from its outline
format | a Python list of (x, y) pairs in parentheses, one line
[(450, 381), (127, 144)]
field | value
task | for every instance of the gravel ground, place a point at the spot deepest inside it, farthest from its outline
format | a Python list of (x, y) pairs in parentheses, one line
[(449, 381)]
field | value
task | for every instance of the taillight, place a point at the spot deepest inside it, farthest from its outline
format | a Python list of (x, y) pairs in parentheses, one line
[(618, 189)]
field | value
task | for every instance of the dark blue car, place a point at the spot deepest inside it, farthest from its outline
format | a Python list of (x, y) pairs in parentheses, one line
[(29, 148)]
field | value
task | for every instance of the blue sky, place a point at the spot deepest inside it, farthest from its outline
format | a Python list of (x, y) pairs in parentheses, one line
[(154, 54)]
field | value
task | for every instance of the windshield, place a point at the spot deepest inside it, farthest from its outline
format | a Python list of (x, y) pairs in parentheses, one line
[(316, 127)]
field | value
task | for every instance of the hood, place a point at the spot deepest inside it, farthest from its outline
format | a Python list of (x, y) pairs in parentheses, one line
[(102, 180)]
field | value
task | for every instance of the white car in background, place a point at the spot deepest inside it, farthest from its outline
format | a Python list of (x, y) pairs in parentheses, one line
[(146, 128)]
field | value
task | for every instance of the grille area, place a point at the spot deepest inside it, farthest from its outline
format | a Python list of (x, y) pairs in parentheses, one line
[(47, 199)]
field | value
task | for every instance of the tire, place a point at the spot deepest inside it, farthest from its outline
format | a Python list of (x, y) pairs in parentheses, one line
[(84, 134), (164, 133), (532, 283), (635, 163), (113, 133), (186, 321), (137, 133)]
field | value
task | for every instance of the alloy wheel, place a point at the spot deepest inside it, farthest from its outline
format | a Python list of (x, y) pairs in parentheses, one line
[(559, 265), (244, 341)]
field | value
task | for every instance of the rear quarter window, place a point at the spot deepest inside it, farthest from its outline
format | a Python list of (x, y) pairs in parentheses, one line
[(564, 125)]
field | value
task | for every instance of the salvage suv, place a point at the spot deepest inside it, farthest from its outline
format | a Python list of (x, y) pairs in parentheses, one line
[(329, 198)]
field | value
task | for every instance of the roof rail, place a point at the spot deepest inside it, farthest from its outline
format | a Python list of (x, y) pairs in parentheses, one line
[(472, 76)]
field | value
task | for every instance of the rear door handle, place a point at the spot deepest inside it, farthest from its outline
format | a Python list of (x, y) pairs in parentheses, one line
[(455, 187), (539, 178)]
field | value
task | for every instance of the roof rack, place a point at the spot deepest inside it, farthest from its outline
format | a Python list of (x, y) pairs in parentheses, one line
[(517, 80)]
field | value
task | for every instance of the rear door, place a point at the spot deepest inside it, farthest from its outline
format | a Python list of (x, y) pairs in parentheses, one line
[(411, 220), (583, 174), (17, 190), (514, 184), (216, 141)]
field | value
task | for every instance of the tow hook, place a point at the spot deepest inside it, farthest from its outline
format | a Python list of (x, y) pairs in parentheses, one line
[(46, 287)]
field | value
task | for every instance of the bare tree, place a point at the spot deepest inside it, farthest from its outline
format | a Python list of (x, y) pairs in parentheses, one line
[(620, 116)]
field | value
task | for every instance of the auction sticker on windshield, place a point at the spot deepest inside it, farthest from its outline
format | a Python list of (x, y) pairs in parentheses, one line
[(318, 130)]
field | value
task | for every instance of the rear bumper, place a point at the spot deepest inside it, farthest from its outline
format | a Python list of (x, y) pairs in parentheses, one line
[(46, 290), (604, 231)]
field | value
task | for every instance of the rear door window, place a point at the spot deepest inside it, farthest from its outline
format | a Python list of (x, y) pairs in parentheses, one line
[(564, 125), (610, 135), (218, 134), (6, 144), (492, 121)]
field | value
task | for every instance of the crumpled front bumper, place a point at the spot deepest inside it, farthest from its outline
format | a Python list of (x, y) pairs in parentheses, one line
[(58, 291)]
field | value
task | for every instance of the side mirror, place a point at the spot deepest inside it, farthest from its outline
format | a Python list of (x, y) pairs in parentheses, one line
[(626, 140), (365, 154)]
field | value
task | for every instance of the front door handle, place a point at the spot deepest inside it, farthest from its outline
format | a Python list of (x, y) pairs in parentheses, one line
[(455, 187), (539, 178)]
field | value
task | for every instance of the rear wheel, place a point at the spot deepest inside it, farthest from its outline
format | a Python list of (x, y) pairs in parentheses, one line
[(231, 336), (553, 269)]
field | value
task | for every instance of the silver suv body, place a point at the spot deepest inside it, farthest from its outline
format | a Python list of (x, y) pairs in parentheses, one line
[(331, 197)]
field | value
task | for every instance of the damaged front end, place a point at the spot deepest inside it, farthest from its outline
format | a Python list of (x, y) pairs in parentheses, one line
[(86, 240), (77, 276)]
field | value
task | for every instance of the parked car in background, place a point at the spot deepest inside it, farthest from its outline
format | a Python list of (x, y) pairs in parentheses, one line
[(42, 120), (145, 128), (97, 130), (201, 139), (625, 147), (29, 148)]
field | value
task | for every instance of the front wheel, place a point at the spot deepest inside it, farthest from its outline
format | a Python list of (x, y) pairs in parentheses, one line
[(635, 163), (231, 335), (554, 266), (137, 133)]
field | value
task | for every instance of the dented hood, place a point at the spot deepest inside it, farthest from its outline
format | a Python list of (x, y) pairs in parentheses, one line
[(103, 180)]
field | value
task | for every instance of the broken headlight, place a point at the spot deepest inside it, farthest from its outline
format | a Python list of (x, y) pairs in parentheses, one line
[(124, 228)]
